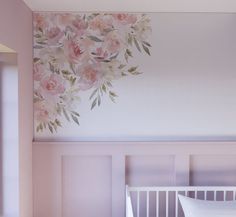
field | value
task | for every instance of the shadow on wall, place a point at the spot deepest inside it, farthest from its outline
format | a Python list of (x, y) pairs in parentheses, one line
[(1, 146)]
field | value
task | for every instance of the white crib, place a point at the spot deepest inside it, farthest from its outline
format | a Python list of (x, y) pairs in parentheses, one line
[(163, 201)]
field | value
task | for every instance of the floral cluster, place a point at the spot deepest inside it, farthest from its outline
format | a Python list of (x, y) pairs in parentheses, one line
[(82, 52)]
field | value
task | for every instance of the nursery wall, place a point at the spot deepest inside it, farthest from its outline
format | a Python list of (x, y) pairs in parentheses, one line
[(16, 33), (186, 92), (185, 89)]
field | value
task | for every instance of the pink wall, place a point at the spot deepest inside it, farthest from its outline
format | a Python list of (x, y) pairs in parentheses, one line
[(74, 179), (16, 33)]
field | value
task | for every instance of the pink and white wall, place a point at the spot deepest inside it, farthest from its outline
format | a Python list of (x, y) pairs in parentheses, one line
[(186, 92), (183, 94)]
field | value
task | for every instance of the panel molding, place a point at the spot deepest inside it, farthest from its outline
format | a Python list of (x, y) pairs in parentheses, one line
[(182, 152)]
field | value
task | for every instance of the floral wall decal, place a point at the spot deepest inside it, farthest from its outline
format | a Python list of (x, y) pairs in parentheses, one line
[(82, 52)]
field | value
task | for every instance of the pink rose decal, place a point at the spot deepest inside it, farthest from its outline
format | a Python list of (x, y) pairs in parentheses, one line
[(54, 34), (89, 76), (52, 84), (38, 71), (101, 23), (82, 52), (113, 43), (125, 19), (79, 26), (41, 112), (40, 22), (72, 51)]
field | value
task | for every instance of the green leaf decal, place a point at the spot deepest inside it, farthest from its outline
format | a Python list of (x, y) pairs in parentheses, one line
[(75, 119), (146, 49), (65, 114), (50, 128), (137, 44), (94, 103), (94, 38), (99, 100), (104, 88), (132, 69), (75, 113), (146, 43), (93, 93)]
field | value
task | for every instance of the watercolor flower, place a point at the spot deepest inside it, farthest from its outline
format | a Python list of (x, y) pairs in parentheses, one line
[(79, 26), (82, 52), (43, 112), (54, 34), (111, 70), (125, 18), (38, 70), (90, 75), (72, 50), (40, 22), (142, 29), (113, 42), (102, 54), (52, 85), (101, 23), (71, 99), (64, 19)]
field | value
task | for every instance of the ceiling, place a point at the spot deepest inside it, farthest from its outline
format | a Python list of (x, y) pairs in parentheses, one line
[(134, 5)]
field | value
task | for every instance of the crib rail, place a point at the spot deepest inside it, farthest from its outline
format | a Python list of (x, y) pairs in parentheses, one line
[(163, 201)]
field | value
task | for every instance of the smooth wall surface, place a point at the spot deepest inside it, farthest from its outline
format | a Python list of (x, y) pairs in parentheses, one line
[(16, 33), (186, 89)]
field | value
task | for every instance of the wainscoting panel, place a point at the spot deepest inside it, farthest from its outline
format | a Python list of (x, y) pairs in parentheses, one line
[(150, 170), (87, 179), (217, 170), (86, 186)]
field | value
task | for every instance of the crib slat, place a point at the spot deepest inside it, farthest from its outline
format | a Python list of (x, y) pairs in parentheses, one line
[(176, 204), (167, 203), (138, 203), (185, 190), (147, 203), (225, 195), (157, 204)]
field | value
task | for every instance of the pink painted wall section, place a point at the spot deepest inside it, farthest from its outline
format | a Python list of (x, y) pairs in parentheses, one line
[(16, 33)]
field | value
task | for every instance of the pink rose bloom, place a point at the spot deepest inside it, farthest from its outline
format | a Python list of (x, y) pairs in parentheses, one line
[(42, 112), (101, 53), (40, 21), (52, 85), (90, 75), (65, 19), (54, 34), (79, 25), (113, 42), (38, 71), (125, 19), (101, 23), (72, 51)]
